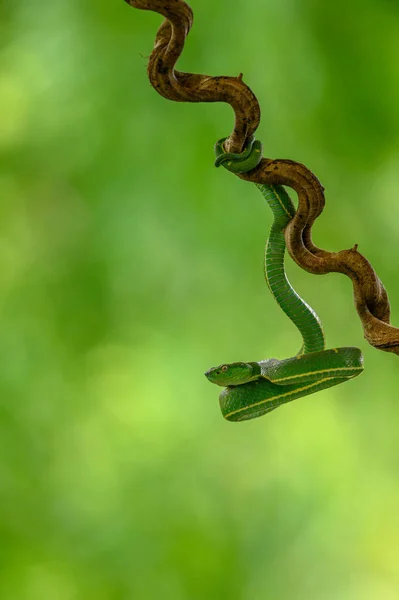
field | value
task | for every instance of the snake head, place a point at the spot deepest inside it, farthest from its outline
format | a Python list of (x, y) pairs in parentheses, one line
[(232, 374)]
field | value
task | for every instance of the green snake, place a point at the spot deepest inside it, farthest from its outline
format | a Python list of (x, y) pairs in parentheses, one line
[(255, 388)]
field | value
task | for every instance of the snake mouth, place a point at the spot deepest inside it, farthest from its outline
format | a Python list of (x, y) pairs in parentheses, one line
[(213, 376), (208, 374)]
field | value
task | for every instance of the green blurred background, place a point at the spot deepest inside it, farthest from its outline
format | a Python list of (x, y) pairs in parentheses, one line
[(129, 265)]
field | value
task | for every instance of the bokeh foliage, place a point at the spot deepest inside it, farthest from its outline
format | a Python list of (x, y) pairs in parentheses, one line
[(130, 265)]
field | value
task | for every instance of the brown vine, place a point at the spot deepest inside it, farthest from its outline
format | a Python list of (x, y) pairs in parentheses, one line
[(191, 87), (370, 296)]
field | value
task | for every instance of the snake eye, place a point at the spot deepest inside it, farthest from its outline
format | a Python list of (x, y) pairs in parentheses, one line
[(224, 368)]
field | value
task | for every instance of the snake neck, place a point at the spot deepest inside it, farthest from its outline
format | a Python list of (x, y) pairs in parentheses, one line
[(296, 309), (300, 313)]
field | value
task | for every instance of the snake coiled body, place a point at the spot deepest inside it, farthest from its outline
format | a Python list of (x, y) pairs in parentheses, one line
[(255, 388)]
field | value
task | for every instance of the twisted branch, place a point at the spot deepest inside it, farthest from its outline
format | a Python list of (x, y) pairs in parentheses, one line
[(370, 296), (190, 87)]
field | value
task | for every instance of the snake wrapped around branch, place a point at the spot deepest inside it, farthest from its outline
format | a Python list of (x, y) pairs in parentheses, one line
[(255, 388), (370, 296)]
